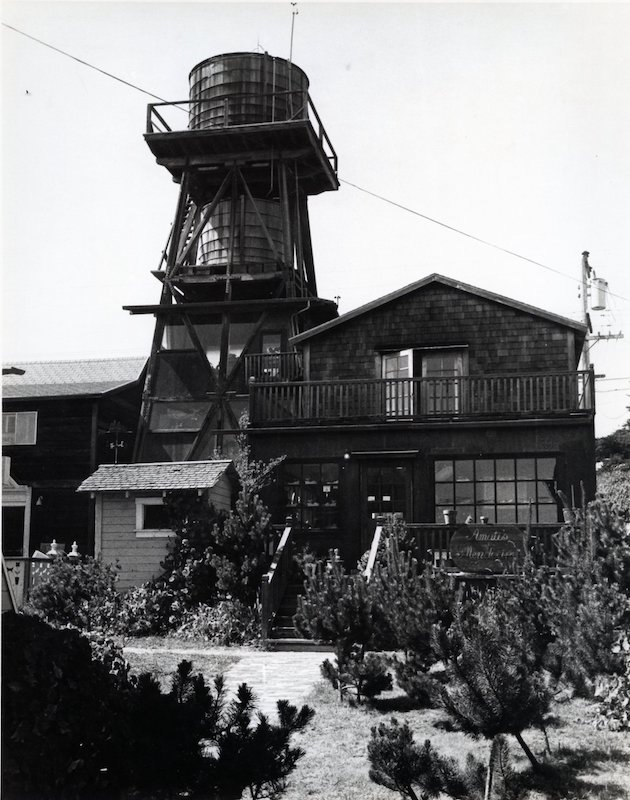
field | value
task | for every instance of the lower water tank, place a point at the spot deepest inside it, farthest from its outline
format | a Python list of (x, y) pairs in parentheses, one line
[(234, 234)]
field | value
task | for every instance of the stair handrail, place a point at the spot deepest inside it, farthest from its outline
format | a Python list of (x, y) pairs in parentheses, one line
[(275, 580), (376, 541)]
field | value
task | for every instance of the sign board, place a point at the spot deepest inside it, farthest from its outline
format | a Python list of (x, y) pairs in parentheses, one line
[(488, 548)]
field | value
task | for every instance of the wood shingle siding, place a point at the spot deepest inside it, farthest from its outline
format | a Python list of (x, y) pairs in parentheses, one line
[(498, 338)]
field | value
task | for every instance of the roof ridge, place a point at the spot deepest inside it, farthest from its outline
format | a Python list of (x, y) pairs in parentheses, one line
[(13, 362), (170, 463)]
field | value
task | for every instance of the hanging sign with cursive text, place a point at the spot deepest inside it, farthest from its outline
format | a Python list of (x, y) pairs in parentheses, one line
[(488, 548)]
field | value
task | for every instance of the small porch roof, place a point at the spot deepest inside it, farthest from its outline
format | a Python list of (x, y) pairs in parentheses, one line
[(161, 476)]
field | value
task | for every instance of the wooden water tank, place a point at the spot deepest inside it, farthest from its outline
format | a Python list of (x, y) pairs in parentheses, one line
[(245, 89), (249, 243)]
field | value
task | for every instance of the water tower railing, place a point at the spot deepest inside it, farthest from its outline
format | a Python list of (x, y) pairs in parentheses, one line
[(300, 107)]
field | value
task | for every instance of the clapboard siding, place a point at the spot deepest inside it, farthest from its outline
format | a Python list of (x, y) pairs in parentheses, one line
[(221, 494), (139, 559)]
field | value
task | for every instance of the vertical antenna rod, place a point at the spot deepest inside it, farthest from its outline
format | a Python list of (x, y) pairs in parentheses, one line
[(294, 14)]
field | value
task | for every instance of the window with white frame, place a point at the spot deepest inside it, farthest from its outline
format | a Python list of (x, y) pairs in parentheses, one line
[(152, 518), (440, 390), (19, 427)]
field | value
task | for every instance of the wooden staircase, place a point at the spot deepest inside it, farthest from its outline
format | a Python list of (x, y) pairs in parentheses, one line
[(281, 586)]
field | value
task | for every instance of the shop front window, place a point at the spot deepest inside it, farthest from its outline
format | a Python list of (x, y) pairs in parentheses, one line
[(312, 495), (499, 489)]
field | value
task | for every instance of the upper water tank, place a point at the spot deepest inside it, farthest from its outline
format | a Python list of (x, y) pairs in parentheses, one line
[(599, 289), (245, 89)]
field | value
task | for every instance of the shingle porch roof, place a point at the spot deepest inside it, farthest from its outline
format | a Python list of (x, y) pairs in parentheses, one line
[(156, 477)]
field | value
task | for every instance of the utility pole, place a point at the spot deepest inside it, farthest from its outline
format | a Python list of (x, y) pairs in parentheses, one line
[(592, 338), (586, 319)]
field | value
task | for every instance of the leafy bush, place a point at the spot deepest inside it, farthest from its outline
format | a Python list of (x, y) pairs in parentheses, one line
[(153, 608), (613, 483), (79, 592), (586, 599), (229, 622), (214, 558), (614, 691), (61, 713)]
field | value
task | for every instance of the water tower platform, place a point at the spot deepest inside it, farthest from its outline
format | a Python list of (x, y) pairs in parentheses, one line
[(210, 150)]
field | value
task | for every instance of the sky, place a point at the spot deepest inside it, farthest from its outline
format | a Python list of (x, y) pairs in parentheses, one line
[(507, 121)]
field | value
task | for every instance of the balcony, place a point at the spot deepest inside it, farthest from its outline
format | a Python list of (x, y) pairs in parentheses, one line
[(519, 396), (273, 367)]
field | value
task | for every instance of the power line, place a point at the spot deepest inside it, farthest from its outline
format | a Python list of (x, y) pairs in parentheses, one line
[(85, 63), (472, 236)]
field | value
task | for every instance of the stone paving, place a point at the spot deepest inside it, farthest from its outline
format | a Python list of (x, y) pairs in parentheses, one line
[(277, 675), (273, 675)]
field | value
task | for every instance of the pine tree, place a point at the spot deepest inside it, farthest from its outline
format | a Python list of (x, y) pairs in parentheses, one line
[(411, 603), (397, 763), (338, 607), (496, 684)]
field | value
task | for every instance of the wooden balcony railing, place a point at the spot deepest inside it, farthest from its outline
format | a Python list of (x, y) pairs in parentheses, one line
[(273, 367), (233, 110), (510, 396)]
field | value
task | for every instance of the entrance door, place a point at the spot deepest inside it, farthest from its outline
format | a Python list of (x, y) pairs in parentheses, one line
[(385, 492)]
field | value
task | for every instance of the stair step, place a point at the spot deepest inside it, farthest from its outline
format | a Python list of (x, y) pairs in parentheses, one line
[(298, 644)]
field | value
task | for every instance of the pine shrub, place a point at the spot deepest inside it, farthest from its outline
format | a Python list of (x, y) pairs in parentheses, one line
[(338, 607), (417, 773), (496, 678), (79, 726), (411, 602)]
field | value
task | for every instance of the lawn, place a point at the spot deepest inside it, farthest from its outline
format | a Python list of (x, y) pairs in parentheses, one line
[(160, 656), (587, 764)]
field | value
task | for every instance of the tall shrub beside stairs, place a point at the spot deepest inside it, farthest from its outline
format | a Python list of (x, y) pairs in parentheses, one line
[(411, 601)]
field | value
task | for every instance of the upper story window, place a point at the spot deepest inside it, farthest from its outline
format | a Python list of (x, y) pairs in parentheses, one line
[(440, 391), (19, 427)]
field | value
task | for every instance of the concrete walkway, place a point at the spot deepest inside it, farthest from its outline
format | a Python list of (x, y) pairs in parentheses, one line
[(273, 675), (277, 676)]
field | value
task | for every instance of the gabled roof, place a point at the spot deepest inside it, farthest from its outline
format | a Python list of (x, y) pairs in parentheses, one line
[(84, 378), (435, 278), (162, 476)]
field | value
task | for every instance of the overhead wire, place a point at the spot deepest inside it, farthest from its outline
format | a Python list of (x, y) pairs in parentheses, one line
[(471, 236), (85, 63)]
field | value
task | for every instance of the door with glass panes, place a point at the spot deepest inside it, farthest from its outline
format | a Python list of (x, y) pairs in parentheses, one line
[(385, 492)]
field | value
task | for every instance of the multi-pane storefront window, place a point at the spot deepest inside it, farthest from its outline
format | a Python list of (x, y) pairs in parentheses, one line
[(500, 489), (312, 492)]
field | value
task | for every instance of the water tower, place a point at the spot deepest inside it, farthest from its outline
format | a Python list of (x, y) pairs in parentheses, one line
[(237, 273)]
